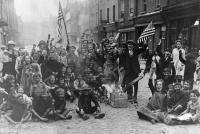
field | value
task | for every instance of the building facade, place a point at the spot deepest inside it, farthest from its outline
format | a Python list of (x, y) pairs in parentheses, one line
[(9, 30), (180, 17), (173, 19)]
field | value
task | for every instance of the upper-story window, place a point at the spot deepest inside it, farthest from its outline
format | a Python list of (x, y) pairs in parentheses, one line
[(122, 8), (157, 3), (100, 15), (113, 13), (144, 5), (108, 17), (131, 7)]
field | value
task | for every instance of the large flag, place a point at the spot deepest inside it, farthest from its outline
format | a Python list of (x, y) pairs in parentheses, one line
[(59, 22), (149, 30)]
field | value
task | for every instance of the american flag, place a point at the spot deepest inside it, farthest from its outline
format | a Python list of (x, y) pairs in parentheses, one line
[(149, 30), (60, 19)]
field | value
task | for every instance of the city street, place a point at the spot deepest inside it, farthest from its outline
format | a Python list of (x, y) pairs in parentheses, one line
[(116, 121)]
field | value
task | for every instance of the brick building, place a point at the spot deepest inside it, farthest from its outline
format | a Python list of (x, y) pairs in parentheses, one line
[(172, 19)]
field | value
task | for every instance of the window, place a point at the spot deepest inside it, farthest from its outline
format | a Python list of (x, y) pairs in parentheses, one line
[(131, 6), (100, 15), (157, 3), (97, 18), (108, 15), (113, 13), (122, 8), (144, 5)]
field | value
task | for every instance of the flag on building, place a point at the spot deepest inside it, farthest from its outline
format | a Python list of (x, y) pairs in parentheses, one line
[(59, 21), (149, 30)]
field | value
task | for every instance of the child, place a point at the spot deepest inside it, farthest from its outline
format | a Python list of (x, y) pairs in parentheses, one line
[(178, 101), (42, 102), (193, 108), (51, 82), (21, 107), (62, 73), (84, 104), (191, 115), (60, 111), (156, 104), (79, 82), (68, 94), (70, 74)]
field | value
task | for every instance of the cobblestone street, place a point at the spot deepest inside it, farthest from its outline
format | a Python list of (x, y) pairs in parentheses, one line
[(117, 121)]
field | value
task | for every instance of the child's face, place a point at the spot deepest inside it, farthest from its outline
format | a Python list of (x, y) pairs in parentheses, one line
[(12, 82), (36, 78), (69, 70), (159, 86), (193, 97), (177, 88), (63, 69), (27, 60), (186, 86), (52, 79), (20, 91), (100, 69)]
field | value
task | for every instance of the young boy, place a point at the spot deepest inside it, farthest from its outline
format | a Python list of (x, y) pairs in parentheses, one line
[(84, 104), (42, 101), (60, 112)]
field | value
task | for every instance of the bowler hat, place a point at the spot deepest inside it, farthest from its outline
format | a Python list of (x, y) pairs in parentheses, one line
[(85, 87), (131, 42)]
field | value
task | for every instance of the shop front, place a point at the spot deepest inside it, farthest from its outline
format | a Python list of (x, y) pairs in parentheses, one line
[(180, 20)]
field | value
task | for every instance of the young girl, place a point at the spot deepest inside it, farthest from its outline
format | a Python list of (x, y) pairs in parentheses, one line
[(26, 75), (155, 105)]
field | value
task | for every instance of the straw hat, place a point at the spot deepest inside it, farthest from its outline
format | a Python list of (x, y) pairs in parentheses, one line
[(11, 42)]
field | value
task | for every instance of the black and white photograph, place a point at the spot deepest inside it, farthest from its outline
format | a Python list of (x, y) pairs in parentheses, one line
[(99, 66)]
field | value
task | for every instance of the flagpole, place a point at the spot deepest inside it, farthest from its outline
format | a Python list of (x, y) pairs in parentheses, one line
[(65, 29)]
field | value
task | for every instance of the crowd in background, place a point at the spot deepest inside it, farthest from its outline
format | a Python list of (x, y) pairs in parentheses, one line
[(39, 83)]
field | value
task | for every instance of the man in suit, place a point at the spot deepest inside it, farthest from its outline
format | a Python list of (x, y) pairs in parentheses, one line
[(132, 68)]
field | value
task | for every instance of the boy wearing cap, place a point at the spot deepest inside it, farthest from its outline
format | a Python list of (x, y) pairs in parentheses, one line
[(84, 104)]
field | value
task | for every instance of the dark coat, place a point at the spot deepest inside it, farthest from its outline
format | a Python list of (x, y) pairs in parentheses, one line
[(85, 101), (131, 64), (190, 66)]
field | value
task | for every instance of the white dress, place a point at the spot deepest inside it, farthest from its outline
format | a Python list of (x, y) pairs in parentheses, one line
[(179, 66)]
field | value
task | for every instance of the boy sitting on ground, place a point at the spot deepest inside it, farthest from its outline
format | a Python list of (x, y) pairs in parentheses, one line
[(42, 101), (60, 112), (84, 104)]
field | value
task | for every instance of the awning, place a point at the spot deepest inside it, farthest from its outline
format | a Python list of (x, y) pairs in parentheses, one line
[(126, 29), (144, 20)]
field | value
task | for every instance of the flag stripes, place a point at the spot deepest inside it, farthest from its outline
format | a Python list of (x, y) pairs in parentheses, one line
[(59, 22), (149, 30)]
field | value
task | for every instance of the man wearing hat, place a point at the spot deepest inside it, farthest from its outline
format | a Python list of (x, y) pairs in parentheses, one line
[(85, 104), (9, 67), (132, 68)]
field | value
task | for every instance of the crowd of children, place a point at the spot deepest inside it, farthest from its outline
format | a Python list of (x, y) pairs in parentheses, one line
[(37, 85)]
